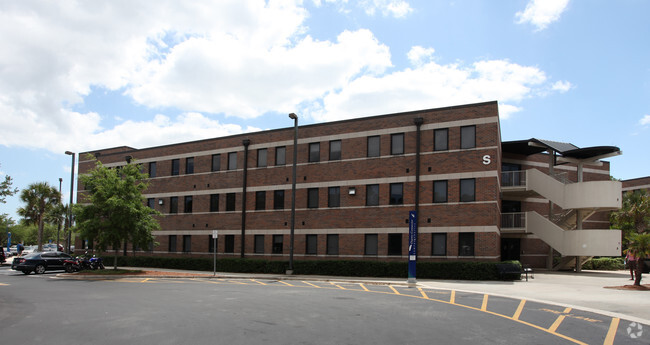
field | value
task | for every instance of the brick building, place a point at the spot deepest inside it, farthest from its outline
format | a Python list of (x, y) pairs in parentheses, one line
[(478, 198)]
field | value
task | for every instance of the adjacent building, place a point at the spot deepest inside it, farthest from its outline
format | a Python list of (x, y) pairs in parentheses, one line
[(477, 198)]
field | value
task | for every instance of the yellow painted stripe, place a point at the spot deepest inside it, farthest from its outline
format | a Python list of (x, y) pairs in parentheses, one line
[(485, 301), (308, 283), (145, 280), (237, 282), (558, 321), (285, 283), (364, 287), (609, 339), (3, 284), (395, 291), (338, 286), (452, 299), (520, 308), (423, 293), (257, 281)]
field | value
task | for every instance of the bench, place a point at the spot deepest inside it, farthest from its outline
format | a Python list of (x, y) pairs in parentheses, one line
[(506, 269)]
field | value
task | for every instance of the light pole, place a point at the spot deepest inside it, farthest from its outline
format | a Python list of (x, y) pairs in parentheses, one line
[(70, 204), (293, 190), (58, 230)]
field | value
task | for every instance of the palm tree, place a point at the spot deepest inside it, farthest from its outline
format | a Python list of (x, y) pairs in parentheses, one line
[(634, 214), (40, 199), (640, 247)]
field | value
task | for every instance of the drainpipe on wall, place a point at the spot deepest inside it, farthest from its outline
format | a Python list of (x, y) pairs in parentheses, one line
[(418, 122), (246, 142)]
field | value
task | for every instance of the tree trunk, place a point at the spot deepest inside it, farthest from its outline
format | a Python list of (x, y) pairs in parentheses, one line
[(41, 225), (115, 259), (638, 272)]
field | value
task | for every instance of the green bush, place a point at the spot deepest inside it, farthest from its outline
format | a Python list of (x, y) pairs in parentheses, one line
[(604, 264), (348, 268)]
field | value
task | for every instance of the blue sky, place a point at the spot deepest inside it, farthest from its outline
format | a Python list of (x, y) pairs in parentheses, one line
[(80, 76)]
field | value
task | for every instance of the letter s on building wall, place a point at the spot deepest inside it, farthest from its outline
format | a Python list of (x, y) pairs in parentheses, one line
[(487, 159)]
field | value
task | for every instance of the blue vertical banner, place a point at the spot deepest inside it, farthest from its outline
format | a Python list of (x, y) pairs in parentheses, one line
[(413, 241)]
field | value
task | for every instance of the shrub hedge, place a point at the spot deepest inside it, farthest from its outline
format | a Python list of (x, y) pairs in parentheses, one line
[(425, 270), (605, 264)]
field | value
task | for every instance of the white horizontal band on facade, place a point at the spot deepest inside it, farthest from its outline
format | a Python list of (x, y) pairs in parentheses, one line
[(306, 140), (557, 167), (646, 186), (337, 231)]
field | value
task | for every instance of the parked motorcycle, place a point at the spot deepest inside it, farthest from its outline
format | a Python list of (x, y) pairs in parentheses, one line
[(96, 263), (71, 265)]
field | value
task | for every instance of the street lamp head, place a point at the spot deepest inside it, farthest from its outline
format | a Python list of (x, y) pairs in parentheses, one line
[(69, 153), (293, 116), (60, 179)]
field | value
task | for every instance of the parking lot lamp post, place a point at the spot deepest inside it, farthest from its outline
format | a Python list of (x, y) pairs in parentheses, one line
[(58, 230), (70, 204), (293, 190)]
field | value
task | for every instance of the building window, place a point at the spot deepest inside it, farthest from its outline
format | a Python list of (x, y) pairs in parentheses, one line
[(260, 200), (467, 190), (261, 158), (229, 244), (187, 243), (312, 244), (173, 204), (396, 193), (278, 244), (278, 200), (152, 169), (216, 162), (467, 137), (373, 146), (335, 150), (441, 139), (214, 202), (314, 152), (189, 165), (259, 244), (372, 195), (211, 244), (230, 202), (440, 191), (466, 244), (371, 244), (172, 244), (151, 203), (312, 198), (280, 155), (332, 244), (397, 144), (176, 163), (439, 245), (188, 204), (334, 197), (232, 161), (394, 244)]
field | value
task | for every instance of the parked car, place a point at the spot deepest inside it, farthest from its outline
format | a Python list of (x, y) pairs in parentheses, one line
[(40, 262), (52, 247), (30, 250), (14, 249)]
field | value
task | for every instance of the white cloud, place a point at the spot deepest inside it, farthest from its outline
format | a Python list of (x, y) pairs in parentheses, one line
[(645, 120), (562, 86), (541, 13), (393, 8), (419, 55)]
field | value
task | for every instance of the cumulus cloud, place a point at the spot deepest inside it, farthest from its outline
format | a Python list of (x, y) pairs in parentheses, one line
[(645, 120), (393, 8), (561, 86), (541, 13)]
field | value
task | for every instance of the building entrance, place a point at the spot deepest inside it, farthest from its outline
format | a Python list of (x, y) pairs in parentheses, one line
[(510, 249)]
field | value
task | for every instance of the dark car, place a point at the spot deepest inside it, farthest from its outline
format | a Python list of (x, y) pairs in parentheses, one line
[(40, 262)]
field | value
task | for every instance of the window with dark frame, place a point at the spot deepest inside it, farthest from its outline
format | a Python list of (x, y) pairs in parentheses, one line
[(440, 191), (371, 244), (466, 244), (397, 144), (189, 165), (335, 150), (467, 137), (152, 169), (151, 203), (280, 155), (394, 244), (372, 195), (171, 246), (374, 146), (229, 244), (278, 200), (396, 193), (278, 244), (261, 158), (216, 162), (332, 244), (260, 200), (230, 201), (311, 244), (439, 244), (467, 190), (214, 202), (173, 204), (232, 161), (334, 197), (314, 152), (188, 204), (187, 243), (441, 139), (259, 244), (312, 198), (176, 166)]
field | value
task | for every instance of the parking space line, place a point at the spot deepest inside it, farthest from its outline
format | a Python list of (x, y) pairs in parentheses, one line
[(257, 281), (394, 290), (285, 283), (364, 287), (519, 310), (308, 283), (338, 286), (559, 320), (611, 333), (423, 293), (452, 299)]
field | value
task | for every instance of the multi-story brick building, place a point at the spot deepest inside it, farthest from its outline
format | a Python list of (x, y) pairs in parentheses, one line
[(477, 198)]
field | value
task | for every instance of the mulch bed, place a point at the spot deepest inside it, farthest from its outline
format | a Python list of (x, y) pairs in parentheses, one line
[(630, 287)]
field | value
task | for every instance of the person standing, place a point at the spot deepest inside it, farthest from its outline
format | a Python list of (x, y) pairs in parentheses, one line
[(631, 262), (20, 248)]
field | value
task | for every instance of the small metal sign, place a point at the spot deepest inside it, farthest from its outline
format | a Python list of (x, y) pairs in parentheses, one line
[(413, 250)]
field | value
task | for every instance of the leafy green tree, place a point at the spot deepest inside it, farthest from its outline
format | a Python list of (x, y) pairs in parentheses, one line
[(6, 190), (639, 246), (40, 198), (634, 215), (113, 210)]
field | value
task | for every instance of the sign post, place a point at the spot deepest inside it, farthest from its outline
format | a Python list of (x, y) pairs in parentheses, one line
[(413, 251), (215, 234)]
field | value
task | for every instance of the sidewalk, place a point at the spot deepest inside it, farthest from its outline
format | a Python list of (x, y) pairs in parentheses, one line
[(586, 290)]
